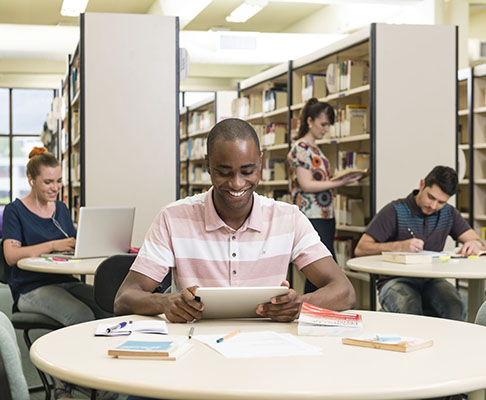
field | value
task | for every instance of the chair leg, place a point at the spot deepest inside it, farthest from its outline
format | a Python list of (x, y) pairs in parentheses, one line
[(93, 394), (42, 376)]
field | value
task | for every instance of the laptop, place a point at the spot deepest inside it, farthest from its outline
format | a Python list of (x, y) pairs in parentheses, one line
[(102, 232)]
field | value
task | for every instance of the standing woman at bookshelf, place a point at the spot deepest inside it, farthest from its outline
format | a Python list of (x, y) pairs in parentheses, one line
[(309, 174), (38, 224)]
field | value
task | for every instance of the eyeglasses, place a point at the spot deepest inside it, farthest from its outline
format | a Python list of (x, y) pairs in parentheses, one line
[(58, 226)]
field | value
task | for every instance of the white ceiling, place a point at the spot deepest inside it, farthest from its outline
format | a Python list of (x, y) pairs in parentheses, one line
[(35, 30)]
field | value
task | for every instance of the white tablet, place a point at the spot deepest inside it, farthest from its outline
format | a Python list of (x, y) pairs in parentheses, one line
[(236, 302)]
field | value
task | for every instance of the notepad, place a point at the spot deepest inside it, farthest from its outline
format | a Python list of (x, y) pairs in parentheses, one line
[(141, 326), (259, 344)]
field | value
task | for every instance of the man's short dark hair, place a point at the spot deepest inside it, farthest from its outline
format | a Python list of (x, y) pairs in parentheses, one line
[(229, 130), (445, 178)]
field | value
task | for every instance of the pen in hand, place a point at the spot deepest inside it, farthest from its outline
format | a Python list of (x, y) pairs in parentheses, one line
[(411, 232), (117, 326), (191, 332)]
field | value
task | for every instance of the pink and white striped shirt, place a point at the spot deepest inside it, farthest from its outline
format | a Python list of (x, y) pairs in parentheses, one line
[(189, 236)]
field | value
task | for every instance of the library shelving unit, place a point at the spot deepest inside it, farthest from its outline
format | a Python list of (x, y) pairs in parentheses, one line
[(121, 113), (263, 101), (405, 97), (479, 149), (471, 147), (64, 139), (195, 123), (464, 159)]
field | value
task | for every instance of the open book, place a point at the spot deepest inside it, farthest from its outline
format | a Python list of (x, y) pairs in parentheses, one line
[(403, 344), (127, 327), (349, 171), (168, 350)]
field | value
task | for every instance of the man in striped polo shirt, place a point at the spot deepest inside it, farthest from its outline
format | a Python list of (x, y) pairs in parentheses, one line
[(231, 236), (421, 221)]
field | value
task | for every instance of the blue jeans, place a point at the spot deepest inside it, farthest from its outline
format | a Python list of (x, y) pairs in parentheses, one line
[(69, 303), (422, 296)]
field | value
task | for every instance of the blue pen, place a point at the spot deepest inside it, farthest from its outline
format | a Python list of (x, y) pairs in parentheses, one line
[(117, 326)]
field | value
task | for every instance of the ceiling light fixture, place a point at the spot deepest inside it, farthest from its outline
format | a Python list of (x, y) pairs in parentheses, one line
[(72, 8), (246, 10)]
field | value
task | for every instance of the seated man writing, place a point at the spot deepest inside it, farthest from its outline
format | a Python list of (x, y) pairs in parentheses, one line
[(231, 236), (421, 221)]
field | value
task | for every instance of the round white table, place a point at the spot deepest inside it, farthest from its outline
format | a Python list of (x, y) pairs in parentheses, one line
[(472, 269), (85, 266), (454, 364)]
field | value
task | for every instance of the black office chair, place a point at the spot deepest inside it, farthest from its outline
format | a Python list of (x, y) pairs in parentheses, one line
[(27, 321), (110, 275)]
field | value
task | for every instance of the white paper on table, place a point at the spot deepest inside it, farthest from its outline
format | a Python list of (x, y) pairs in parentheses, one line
[(259, 344)]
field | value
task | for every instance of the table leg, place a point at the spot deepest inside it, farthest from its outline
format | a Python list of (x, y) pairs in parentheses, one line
[(372, 292), (475, 297)]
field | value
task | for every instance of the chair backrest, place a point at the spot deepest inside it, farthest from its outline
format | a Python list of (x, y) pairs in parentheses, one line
[(108, 278), (110, 275), (13, 383)]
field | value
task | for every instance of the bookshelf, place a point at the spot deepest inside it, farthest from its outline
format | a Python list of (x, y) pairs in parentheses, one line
[(120, 98), (195, 122), (405, 111), (471, 146), (264, 101)]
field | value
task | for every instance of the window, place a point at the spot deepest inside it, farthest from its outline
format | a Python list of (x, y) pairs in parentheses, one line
[(23, 113)]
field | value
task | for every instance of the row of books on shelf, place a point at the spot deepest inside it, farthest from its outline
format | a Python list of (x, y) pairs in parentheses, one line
[(353, 159), (199, 173), (274, 169), (347, 75), (274, 99), (313, 85), (193, 149), (75, 126), (343, 248), (265, 101), (349, 210), (271, 134), (74, 82), (350, 120), (200, 121)]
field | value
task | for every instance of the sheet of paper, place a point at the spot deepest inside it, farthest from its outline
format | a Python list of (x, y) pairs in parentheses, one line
[(259, 344)]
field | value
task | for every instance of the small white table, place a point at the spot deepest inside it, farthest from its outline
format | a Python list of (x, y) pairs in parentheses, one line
[(473, 269), (454, 364), (85, 266)]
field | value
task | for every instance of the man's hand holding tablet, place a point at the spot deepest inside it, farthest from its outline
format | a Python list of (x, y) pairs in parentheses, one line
[(183, 306), (283, 308)]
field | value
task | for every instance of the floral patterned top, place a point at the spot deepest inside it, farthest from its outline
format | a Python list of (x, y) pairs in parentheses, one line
[(313, 205)]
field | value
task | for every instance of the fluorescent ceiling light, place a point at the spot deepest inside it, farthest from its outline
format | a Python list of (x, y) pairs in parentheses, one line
[(246, 10), (72, 8)]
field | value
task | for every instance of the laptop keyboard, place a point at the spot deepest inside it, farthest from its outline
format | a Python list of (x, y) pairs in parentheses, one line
[(66, 253)]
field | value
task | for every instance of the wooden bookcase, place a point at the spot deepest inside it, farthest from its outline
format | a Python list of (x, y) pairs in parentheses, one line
[(471, 149), (195, 123), (121, 112), (264, 102)]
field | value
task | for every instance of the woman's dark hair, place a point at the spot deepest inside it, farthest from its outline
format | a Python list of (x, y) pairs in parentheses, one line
[(445, 178), (313, 108), (39, 157)]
